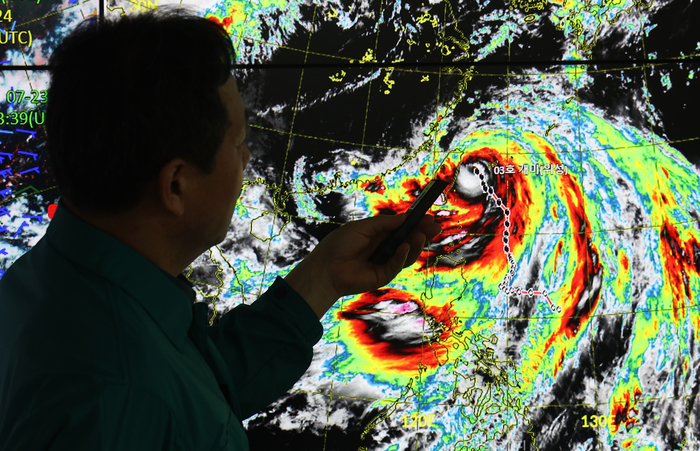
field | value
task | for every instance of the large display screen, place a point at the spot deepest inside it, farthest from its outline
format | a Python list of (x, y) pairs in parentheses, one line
[(557, 310)]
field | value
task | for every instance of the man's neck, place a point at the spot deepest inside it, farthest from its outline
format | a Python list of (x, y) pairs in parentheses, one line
[(140, 232)]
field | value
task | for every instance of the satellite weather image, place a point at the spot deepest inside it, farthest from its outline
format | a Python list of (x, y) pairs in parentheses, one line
[(556, 310)]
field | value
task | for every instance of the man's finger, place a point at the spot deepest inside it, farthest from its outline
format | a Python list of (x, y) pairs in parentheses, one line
[(431, 231), (424, 233), (398, 261), (417, 242), (378, 226)]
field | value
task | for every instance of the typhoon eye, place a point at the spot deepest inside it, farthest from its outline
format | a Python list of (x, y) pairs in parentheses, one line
[(469, 179)]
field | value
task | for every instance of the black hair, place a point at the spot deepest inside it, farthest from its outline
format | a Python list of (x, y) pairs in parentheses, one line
[(129, 95)]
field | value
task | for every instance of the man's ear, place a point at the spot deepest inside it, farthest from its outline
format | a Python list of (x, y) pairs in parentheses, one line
[(174, 185)]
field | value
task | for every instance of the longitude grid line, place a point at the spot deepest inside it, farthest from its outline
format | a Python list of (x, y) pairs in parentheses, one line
[(509, 409), (426, 321), (418, 391), (331, 395), (369, 88), (645, 69), (647, 99), (657, 173), (235, 273), (587, 269), (240, 39), (286, 154)]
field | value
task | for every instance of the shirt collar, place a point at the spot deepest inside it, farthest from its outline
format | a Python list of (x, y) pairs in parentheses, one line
[(168, 300)]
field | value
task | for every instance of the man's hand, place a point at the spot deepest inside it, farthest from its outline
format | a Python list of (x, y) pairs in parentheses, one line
[(338, 266)]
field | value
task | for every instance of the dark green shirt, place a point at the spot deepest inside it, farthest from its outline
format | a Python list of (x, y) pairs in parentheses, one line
[(99, 351)]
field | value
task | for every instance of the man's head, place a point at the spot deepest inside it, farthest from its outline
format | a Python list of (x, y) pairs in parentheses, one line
[(146, 132), (128, 96)]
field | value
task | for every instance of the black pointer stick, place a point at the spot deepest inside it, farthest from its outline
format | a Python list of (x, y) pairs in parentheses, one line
[(415, 212)]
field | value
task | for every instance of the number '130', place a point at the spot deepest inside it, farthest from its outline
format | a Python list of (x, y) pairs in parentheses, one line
[(594, 421)]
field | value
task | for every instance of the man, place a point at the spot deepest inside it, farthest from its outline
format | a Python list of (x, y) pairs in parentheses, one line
[(101, 347)]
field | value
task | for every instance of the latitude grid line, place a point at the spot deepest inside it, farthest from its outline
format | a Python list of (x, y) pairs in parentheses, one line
[(346, 60), (384, 147), (598, 231), (552, 316), (520, 75), (621, 229), (241, 36), (534, 406)]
